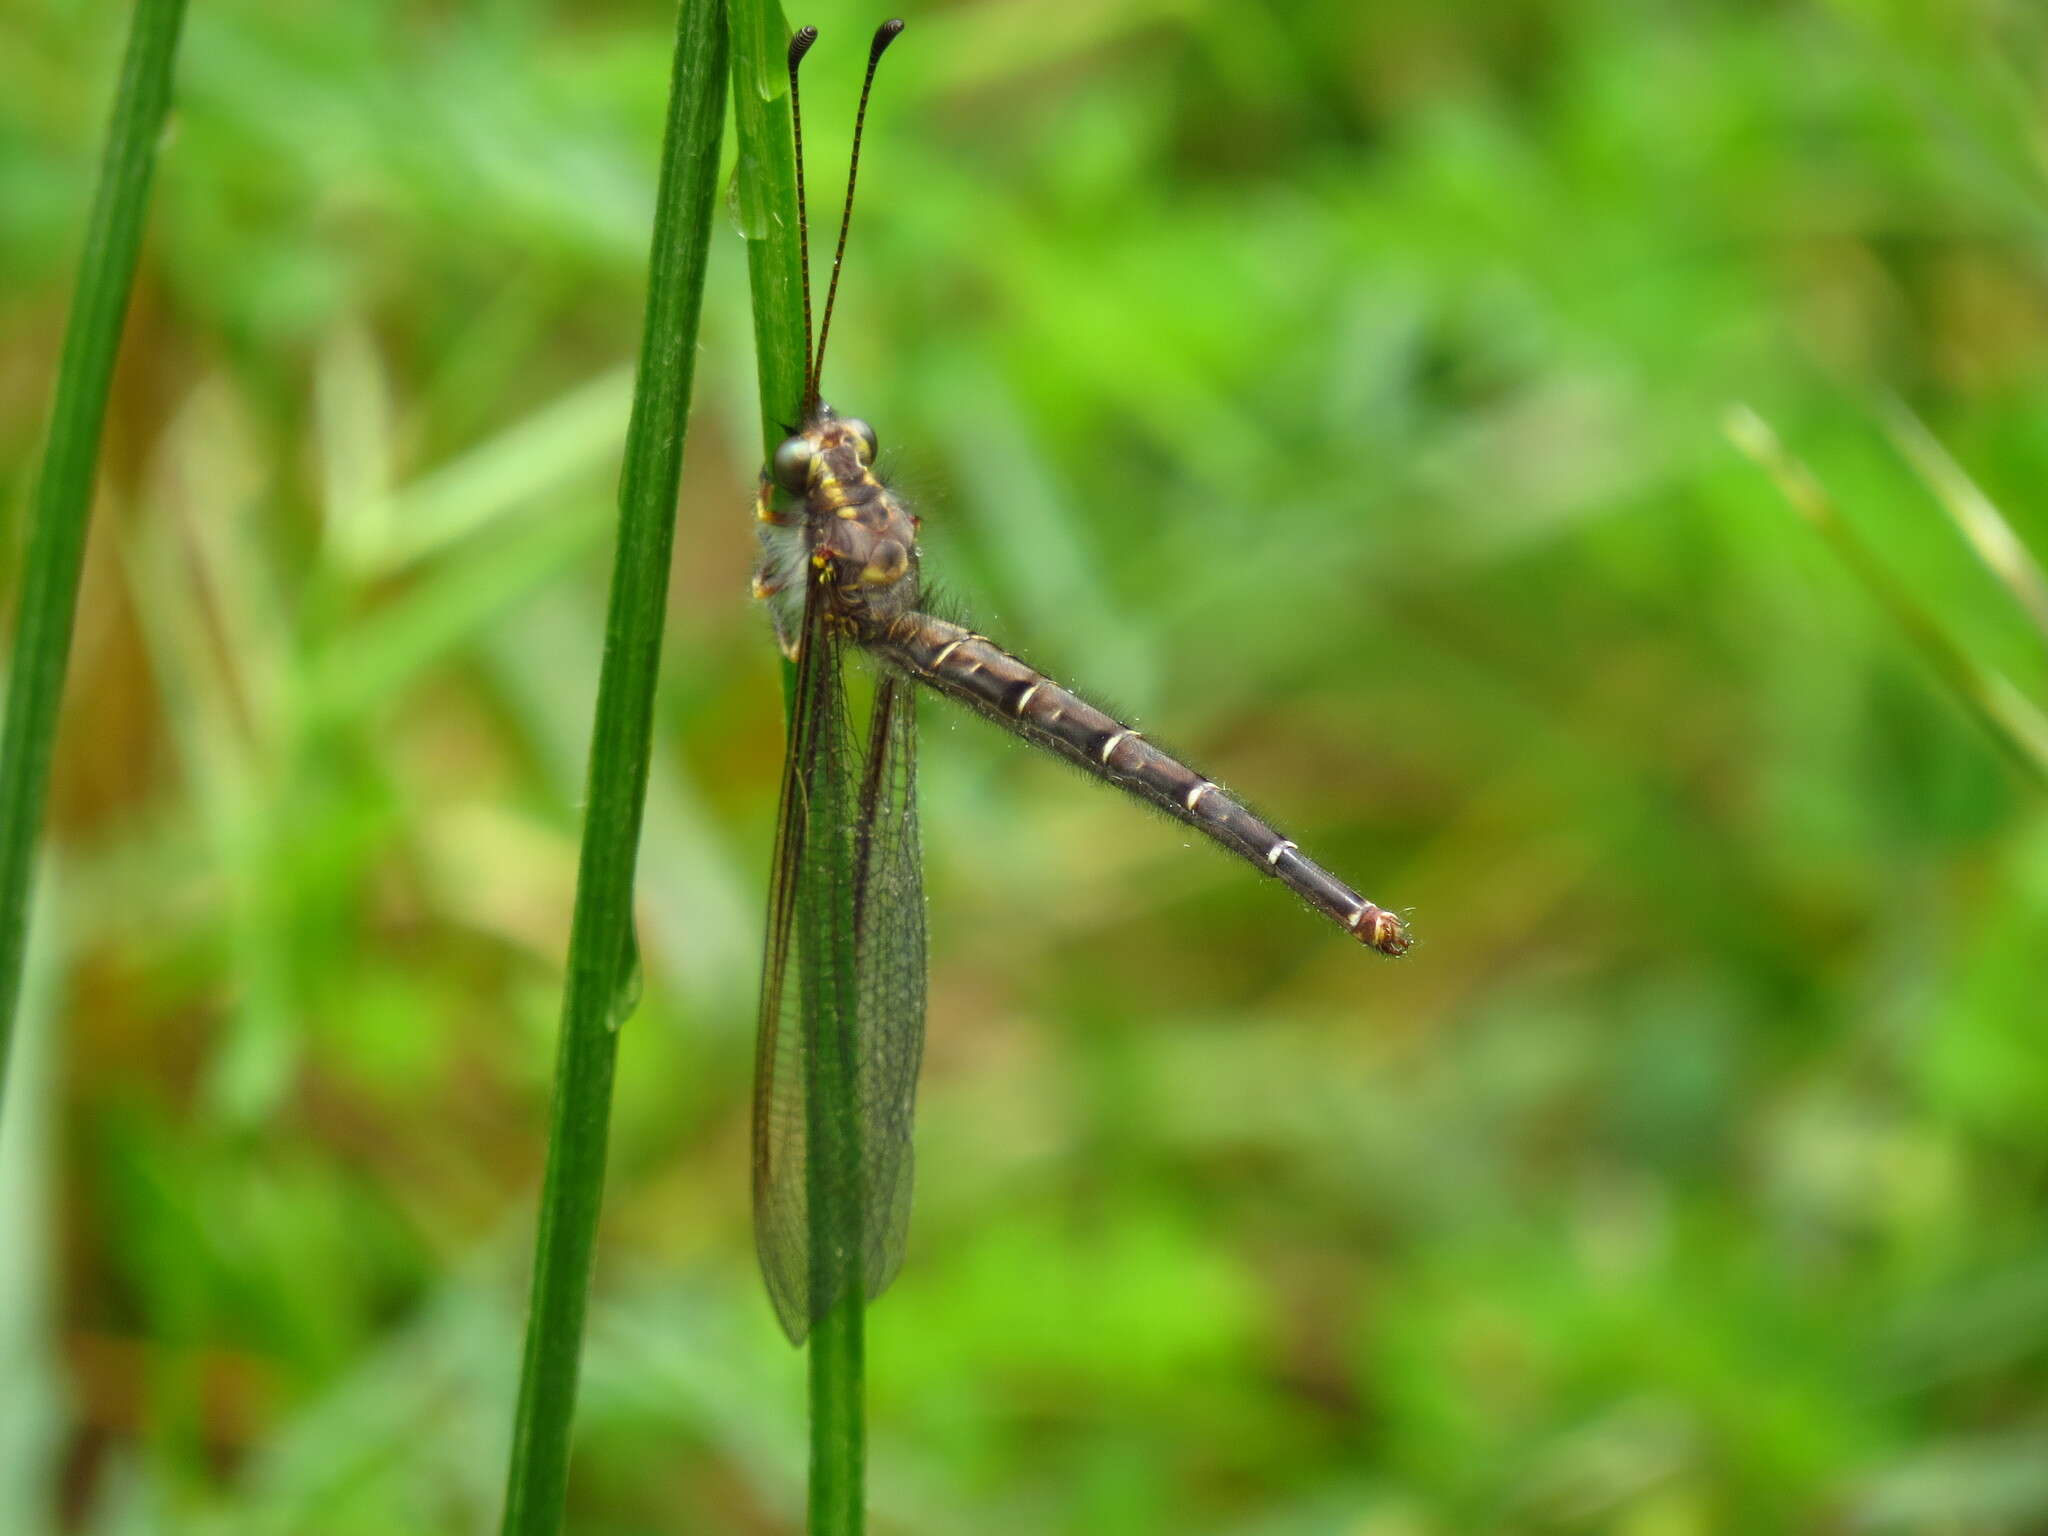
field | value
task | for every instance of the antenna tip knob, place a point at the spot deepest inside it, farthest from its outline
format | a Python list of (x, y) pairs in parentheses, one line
[(800, 44), (885, 34)]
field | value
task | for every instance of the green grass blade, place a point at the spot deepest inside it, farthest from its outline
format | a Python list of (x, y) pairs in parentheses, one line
[(838, 1500), (766, 194), (62, 501), (1975, 515), (602, 973), (2013, 720)]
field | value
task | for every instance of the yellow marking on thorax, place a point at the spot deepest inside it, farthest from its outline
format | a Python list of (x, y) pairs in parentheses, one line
[(882, 573)]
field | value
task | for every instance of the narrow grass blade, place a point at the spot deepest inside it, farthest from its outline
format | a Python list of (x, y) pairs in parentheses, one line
[(36, 1418), (601, 968), (2015, 722), (1990, 535), (766, 197), (62, 501), (838, 1346), (765, 193)]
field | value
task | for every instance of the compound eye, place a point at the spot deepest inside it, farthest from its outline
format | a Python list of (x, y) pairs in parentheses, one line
[(865, 433), (792, 465)]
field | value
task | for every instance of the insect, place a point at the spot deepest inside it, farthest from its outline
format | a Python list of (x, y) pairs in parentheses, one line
[(843, 979)]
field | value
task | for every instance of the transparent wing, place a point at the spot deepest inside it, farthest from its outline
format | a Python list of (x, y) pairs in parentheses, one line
[(811, 842), (889, 940), (842, 995)]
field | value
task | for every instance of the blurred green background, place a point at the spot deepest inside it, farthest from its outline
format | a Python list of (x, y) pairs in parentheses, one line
[(1338, 389)]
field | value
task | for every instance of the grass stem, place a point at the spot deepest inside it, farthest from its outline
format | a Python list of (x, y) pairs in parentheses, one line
[(62, 503), (602, 968), (767, 201), (2011, 719)]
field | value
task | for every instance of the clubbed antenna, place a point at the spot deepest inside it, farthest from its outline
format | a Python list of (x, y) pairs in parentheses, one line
[(799, 45), (885, 34)]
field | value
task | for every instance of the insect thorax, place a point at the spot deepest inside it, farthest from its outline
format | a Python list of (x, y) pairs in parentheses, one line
[(860, 540), (853, 543)]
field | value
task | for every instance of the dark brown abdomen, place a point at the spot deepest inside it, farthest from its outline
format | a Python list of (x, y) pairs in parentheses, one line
[(977, 672)]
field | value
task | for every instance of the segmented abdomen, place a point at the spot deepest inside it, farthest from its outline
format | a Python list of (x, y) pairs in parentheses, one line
[(977, 672)]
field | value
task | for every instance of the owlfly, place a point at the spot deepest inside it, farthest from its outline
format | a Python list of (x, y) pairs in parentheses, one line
[(843, 979)]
